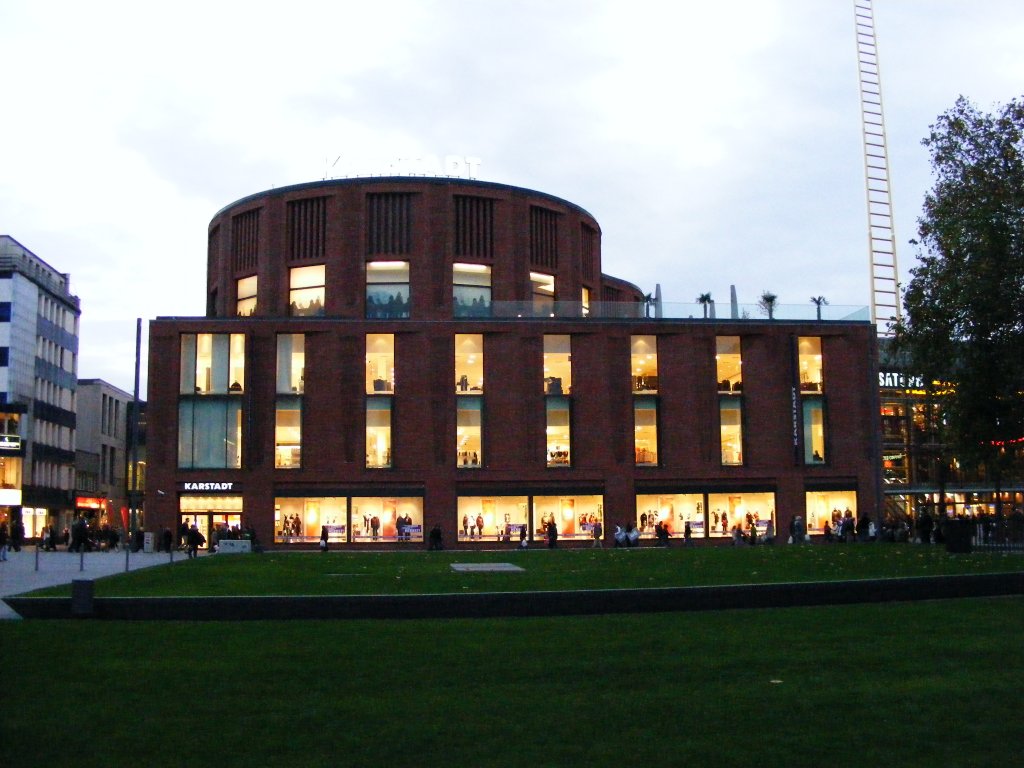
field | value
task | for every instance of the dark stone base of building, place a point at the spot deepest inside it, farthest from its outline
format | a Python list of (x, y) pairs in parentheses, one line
[(518, 604)]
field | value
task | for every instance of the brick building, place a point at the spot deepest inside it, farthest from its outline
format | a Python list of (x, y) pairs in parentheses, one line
[(385, 355)]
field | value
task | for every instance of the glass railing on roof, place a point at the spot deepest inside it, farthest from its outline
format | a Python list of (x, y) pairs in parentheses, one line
[(676, 311)]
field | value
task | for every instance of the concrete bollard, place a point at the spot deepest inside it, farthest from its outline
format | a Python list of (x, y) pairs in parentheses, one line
[(82, 598)]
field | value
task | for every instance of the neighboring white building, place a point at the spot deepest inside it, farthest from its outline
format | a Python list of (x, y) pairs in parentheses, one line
[(39, 322)]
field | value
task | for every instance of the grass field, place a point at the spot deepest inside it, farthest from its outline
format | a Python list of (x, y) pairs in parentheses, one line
[(430, 572), (934, 683)]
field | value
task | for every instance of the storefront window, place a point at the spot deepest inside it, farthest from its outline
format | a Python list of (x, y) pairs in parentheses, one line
[(542, 291), (288, 433), (211, 513), (384, 520), (645, 431), (492, 518), (726, 511), (306, 296), (728, 363), (558, 431), (291, 363), (300, 520), (829, 507), (387, 289), (245, 292), (380, 363), (469, 446), (378, 432), (730, 411), (574, 516), (810, 364), (644, 363), (471, 287), (814, 430), (673, 510), (469, 363)]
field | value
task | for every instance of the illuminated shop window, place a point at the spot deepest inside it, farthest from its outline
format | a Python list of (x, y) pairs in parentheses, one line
[(212, 515), (306, 290), (730, 411), (492, 518), (245, 292), (378, 432), (829, 507), (750, 511), (386, 520), (728, 363), (471, 290), (672, 510), (291, 363), (387, 289), (288, 432), (542, 293), (468, 431), (809, 351), (380, 363), (814, 430), (645, 431), (301, 520), (574, 517), (643, 359)]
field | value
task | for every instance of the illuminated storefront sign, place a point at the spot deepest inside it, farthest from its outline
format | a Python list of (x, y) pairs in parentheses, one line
[(90, 502), (10, 442), (893, 380), (223, 486)]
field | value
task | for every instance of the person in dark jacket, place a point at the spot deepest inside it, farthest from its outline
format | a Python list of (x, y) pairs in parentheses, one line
[(195, 541)]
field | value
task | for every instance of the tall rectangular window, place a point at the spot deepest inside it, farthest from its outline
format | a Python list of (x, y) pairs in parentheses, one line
[(557, 364), (291, 363), (469, 432), (380, 363), (471, 290), (245, 296), (558, 431), (730, 410), (809, 353), (209, 411), (378, 432), (469, 363), (291, 366), (645, 431), (306, 294), (814, 429), (387, 289), (585, 301), (729, 363), (288, 432), (212, 363), (644, 364), (542, 293)]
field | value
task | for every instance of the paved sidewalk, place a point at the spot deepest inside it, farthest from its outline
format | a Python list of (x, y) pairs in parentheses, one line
[(19, 574)]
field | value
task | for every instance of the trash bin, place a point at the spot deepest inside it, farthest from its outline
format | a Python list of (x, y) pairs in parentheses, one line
[(82, 598), (958, 536)]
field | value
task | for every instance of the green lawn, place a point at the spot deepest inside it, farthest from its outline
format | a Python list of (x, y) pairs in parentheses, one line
[(924, 684), (291, 573), (932, 683)]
